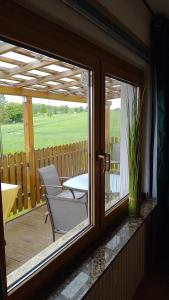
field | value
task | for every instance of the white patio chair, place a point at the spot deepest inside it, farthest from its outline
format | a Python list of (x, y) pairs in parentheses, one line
[(66, 208)]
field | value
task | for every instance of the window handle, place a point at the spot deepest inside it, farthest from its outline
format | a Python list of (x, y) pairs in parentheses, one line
[(105, 157)]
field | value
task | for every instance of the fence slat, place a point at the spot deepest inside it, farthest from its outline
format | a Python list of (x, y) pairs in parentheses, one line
[(24, 181), (5, 173), (37, 165), (12, 177), (18, 161)]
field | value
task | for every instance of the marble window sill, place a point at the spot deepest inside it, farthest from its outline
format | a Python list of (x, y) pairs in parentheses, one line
[(76, 286)]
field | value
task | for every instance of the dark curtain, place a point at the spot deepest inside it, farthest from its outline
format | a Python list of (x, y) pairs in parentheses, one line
[(160, 60)]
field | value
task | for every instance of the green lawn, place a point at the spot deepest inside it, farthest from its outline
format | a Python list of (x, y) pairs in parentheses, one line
[(50, 131)]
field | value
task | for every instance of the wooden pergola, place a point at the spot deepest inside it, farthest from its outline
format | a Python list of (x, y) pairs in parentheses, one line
[(26, 73), (30, 74)]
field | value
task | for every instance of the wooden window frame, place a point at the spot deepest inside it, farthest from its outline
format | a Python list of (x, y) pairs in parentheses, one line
[(85, 53), (122, 71)]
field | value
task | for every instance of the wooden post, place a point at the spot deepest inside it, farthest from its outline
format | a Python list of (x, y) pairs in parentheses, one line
[(29, 149)]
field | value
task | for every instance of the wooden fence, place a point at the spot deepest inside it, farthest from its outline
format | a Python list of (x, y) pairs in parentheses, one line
[(14, 170), (70, 160)]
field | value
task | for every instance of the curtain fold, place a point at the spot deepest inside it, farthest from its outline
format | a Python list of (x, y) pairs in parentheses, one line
[(160, 58)]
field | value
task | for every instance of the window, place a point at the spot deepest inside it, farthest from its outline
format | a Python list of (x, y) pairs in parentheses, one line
[(67, 134), (46, 173), (117, 95)]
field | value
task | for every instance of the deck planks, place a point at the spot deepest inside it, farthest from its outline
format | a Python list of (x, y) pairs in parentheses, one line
[(26, 236)]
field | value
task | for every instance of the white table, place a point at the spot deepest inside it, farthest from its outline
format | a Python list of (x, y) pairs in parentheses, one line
[(9, 193), (80, 183), (77, 183)]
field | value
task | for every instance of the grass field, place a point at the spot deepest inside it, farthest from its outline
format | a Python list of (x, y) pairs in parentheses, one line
[(50, 131)]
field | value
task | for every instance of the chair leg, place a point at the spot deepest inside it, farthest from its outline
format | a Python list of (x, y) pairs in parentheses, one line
[(53, 236), (46, 217)]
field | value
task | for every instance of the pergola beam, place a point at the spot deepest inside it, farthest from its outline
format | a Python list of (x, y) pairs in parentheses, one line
[(15, 63), (48, 78), (25, 68), (62, 85), (12, 61), (6, 90), (7, 47)]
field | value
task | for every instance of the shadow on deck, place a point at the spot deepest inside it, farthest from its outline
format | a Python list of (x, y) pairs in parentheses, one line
[(26, 236)]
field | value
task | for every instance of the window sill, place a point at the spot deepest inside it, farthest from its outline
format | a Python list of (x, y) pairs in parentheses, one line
[(76, 286)]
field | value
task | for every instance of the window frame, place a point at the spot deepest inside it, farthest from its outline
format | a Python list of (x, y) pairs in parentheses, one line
[(118, 69), (101, 62), (75, 54)]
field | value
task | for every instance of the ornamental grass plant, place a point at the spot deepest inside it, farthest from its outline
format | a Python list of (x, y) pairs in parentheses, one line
[(134, 114)]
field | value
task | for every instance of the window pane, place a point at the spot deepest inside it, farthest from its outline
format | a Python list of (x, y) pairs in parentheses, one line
[(117, 94), (46, 168)]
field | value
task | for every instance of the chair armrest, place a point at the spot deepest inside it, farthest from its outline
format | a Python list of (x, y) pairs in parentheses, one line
[(75, 200), (54, 186)]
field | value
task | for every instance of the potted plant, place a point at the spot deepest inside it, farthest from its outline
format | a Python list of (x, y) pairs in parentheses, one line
[(134, 113)]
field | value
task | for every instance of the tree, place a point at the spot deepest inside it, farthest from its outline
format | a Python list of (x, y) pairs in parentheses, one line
[(66, 109), (76, 109), (3, 114), (49, 111), (81, 109), (43, 108), (14, 112)]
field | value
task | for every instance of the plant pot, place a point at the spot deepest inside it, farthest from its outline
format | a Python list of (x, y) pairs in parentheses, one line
[(134, 207)]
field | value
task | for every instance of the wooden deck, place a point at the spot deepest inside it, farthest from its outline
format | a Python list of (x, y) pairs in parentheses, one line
[(26, 236)]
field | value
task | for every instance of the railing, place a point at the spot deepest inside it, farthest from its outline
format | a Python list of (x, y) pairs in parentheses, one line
[(70, 160)]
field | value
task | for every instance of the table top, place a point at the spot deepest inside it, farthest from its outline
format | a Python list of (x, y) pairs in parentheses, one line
[(80, 183), (9, 194), (77, 183), (8, 186)]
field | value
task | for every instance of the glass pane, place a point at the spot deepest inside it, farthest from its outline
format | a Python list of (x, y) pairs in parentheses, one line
[(117, 93), (46, 168)]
